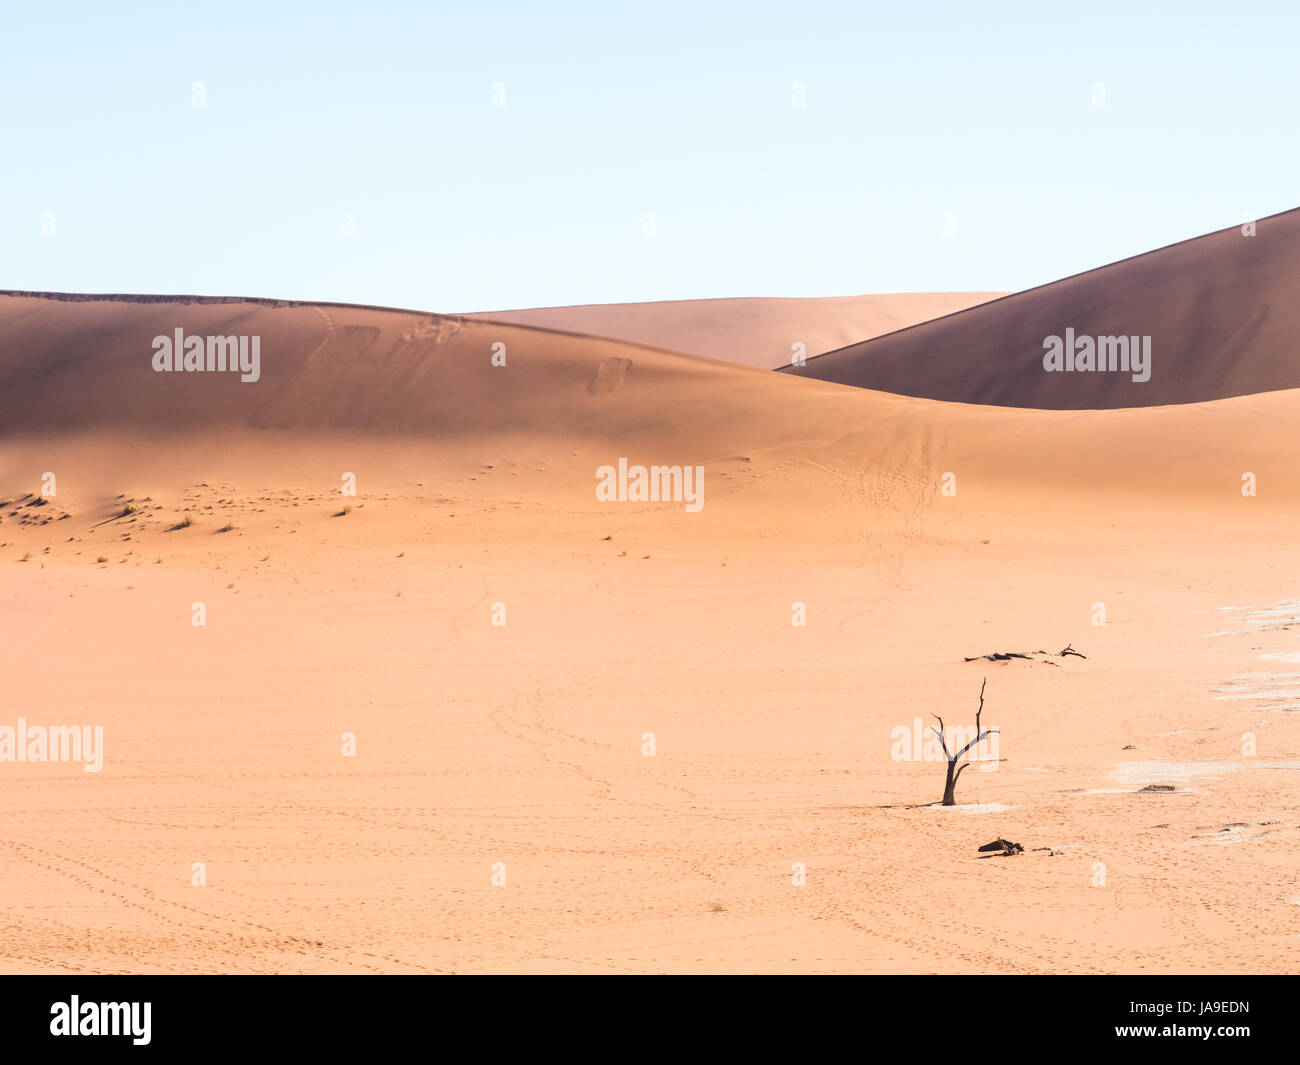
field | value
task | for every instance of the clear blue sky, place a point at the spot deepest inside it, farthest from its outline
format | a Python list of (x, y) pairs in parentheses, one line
[(915, 113)]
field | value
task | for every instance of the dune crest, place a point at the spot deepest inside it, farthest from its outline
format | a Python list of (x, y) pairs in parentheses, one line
[(765, 333)]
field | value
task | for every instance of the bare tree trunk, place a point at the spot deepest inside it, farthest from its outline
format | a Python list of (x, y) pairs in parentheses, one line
[(950, 786)]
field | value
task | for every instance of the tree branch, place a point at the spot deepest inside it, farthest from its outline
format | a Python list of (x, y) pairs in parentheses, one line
[(978, 734), (939, 732)]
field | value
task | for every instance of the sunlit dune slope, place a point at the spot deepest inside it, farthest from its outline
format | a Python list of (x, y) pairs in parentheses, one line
[(761, 332)]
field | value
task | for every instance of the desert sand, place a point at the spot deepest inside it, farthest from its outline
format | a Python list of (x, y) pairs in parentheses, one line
[(914, 532)]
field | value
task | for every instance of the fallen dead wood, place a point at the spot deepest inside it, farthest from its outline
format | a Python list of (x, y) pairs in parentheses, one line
[(1007, 656), (1005, 846)]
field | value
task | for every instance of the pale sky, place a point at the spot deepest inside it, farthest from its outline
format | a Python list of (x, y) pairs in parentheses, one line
[(495, 155)]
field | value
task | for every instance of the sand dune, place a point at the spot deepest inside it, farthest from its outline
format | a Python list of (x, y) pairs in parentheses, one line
[(764, 333), (912, 532), (87, 363), (75, 367), (1220, 311)]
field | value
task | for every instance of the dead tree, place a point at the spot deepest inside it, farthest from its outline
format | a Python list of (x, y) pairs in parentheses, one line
[(954, 770)]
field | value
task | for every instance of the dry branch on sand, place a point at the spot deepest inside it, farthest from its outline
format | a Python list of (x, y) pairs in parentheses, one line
[(1007, 656)]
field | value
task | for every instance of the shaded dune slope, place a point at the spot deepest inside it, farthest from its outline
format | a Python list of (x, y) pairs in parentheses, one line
[(1221, 310), (83, 366)]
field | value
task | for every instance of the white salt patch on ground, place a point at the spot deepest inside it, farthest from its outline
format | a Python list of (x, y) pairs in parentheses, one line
[(1230, 834), (1267, 676), (1141, 773), (1259, 693), (1280, 616), (1282, 689), (1221, 840)]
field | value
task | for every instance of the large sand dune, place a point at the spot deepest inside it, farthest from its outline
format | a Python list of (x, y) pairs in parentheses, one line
[(765, 333), (522, 743), (1220, 310)]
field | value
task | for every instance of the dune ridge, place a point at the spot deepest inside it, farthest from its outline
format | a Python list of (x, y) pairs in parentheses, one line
[(762, 332)]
